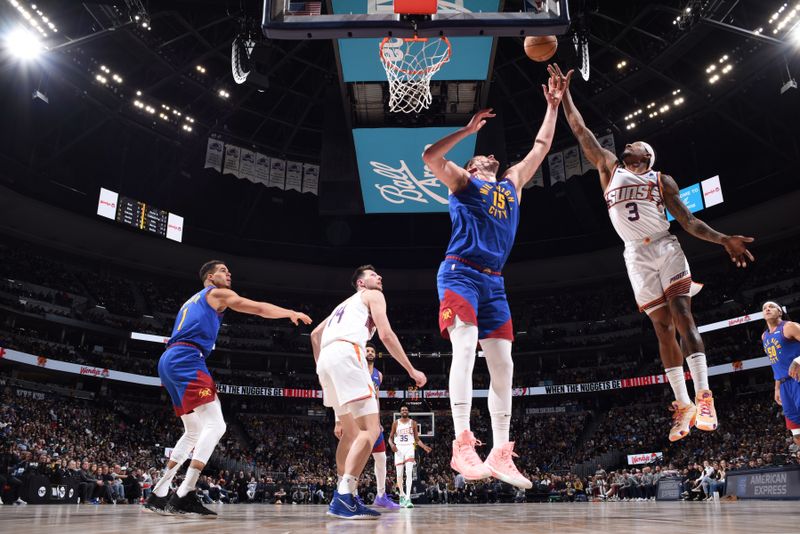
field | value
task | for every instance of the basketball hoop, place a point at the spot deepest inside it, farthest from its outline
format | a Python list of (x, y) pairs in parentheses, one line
[(410, 64)]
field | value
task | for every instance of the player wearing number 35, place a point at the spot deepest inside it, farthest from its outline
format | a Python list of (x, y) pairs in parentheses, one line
[(484, 210), (183, 372), (636, 196)]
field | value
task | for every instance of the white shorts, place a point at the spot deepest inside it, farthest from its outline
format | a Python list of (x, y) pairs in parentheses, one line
[(404, 455), (344, 378), (658, 271)]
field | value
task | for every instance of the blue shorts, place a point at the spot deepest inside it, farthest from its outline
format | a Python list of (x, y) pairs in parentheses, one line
[(790, 399), (476, 297), (183, 372), (380, 444)]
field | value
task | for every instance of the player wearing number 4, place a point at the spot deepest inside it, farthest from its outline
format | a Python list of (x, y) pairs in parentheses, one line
[(403, 439), (781, 341), (183, 372), (484, 211), (339, 346), (636, 196)]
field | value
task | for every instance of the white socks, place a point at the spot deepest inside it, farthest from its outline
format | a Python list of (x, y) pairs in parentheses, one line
[(409, 477), (678, 383), (699, 369), (464, 338), (190, 482), (380, 472), (501, 372), (347, 484)]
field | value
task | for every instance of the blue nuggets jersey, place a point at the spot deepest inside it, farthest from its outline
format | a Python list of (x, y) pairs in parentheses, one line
[(376, 378), (485, 216), (197, 323), (781, 351)]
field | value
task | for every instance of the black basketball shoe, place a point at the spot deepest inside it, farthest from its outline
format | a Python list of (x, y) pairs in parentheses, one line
[(188, 504), (156, 504)]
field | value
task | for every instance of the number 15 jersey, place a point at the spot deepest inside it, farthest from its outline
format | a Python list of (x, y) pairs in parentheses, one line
[(635, 204)]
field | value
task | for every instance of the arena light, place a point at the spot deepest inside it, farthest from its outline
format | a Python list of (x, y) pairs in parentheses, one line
[(23, 44), (34, 17), (714, 79), (622, 64), (224, 94), (201, 69)]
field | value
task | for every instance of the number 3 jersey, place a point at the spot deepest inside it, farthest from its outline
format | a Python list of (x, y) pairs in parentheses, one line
[(350, 321), (485, 216), (635, 204)]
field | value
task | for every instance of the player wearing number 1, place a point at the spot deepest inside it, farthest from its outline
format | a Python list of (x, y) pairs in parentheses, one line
[(484, 211), (636, 196), (183, 372)]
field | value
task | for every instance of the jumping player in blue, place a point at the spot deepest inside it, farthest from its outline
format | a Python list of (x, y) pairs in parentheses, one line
[(183, 372), (781, 341), (485, 214)]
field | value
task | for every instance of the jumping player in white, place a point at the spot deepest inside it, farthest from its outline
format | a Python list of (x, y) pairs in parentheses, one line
[(636, 196), (403, 438), (339, 350)]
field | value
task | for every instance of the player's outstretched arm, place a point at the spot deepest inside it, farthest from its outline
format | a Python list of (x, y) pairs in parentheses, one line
[(376, 303), (447, 172), (521, 173), (222, 299), (734, 244), (604, 160)]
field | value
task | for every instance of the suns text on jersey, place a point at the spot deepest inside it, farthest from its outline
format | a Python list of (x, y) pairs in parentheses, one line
[(627, 193)]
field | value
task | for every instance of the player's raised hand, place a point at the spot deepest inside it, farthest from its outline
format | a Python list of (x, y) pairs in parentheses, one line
[(418, 377), (478, 120), (556, 86), (736, 249), (297, 317)]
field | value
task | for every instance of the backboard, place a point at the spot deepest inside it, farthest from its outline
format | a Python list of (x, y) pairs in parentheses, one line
[(290, 19)]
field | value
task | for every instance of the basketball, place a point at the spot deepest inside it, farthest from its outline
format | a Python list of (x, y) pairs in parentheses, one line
[(541, 47)]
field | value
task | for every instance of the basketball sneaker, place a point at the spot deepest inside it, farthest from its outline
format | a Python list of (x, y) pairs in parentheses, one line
[(683, 419), (465, 460), (501, 463), (156, 504), (405, 502), (189, 504), (347, 507), (385, 502), (706, 414)]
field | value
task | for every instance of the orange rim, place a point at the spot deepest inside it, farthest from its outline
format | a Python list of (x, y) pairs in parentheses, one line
[(416, 40)]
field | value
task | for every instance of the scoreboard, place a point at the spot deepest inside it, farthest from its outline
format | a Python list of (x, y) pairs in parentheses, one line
[(145, 217)]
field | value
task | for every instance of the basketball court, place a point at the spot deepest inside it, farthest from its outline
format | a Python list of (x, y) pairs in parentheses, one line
[(568, 518)]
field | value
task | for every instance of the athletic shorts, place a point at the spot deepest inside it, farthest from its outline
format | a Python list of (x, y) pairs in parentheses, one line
[(343, 374), (658, 271), (404, 455), (476, 298), (790, 400), (380, 444), (183, 372)]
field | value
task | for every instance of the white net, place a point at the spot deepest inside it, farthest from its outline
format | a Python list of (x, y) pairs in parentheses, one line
[(410, 64)]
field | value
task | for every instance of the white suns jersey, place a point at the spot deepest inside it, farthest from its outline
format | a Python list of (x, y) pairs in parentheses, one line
[(635, 204), (404, 433), (350, 321)]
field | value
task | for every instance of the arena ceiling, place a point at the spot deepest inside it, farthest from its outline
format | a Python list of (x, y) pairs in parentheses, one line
[(89, 134)]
